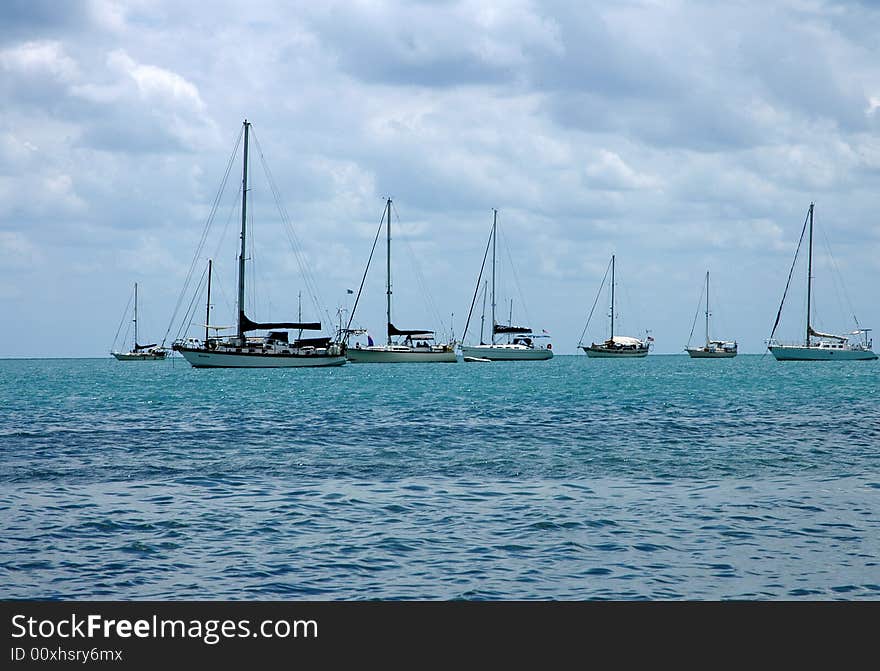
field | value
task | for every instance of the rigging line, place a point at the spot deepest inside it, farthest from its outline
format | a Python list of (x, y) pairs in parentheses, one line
[(233, 212), (788, 282), (217, 288), (696, 314), (308, 277), (598, 293), (186, 319), (838, 277), (423, 285), (364, 278), (121, 322), (516, 279), (188, 316), (255, 275), (204, 236), (629, 303), (836, 283), (477, 288)]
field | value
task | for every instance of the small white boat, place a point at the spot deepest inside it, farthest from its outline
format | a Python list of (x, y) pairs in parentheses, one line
[(826, 346), (138, 352), (521, 343), (401, 354), (477, 359), (402, 345), (713, 349), (520, 349), (615, 346), (618, 347)]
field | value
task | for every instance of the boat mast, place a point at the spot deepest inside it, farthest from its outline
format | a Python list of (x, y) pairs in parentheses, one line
[(243, 222), (388, 271), (707, 308), (612, 297), (208, 304), (494, 228), (809, 275), (135, 317)]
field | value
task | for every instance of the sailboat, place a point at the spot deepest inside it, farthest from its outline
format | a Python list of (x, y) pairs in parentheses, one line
[(275, 350), (139, 352), (520, 345), (713, 349), (401, 345), (826, 346), (616, 346)]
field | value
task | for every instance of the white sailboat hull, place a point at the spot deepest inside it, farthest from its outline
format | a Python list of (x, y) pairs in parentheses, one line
[(400, 354), (602, 352), (506, 352), (139, 356), (804, 353), (702, 353), (618, 347), (202, 358)]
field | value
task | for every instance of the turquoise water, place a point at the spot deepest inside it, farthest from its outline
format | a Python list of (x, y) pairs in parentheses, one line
[(661, 478)]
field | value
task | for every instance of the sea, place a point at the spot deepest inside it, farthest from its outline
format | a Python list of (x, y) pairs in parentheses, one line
[(662, 478)]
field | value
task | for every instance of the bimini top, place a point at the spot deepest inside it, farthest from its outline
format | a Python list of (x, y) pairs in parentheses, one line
[(625, 340)]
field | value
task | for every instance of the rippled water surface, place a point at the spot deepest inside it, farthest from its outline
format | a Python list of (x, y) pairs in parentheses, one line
[(662, 478)]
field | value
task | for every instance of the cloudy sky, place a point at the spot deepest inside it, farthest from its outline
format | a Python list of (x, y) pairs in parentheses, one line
[(680, 136)]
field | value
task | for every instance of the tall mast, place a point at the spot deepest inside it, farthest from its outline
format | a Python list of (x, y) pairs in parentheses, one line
[(208, 304), (388, 276), (494, 227), (612, 296), (809, 274), (244, 185), (707, 308), (135, 316)]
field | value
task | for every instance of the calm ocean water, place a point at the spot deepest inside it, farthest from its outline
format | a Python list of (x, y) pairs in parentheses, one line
[(662, 478)]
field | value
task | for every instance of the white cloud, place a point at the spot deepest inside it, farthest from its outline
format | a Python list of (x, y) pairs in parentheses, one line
[(609, 171), (156, 85), (39, 58)]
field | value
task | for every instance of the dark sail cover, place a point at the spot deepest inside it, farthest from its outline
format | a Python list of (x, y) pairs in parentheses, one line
[(393, 330), (138, 348), (248, 325), (501, 328), (312, 342)]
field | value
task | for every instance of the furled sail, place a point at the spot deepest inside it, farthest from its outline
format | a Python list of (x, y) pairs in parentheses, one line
[(819, 334), (312, 342), (502, 328), (248, 325), (138, 348), (393, 330)]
